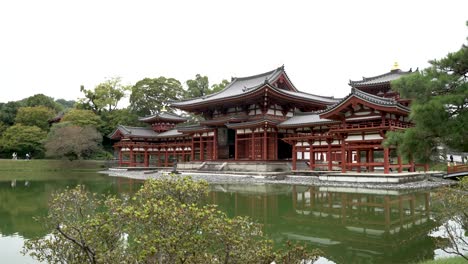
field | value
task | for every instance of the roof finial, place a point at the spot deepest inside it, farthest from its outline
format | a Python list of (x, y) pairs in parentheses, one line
[(163, 109), (395, 66)]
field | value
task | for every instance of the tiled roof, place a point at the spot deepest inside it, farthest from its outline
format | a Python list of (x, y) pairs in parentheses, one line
[(373, 99), (240, 87), (192, 128), (170, 133), (304, 119), (380, 79), (127, 131), (163, 116)]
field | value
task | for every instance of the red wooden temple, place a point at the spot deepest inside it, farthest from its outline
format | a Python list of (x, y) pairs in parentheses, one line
[(265, 118)]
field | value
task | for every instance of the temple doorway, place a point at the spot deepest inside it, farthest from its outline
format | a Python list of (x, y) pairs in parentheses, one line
[(231, 142), (284, 149)]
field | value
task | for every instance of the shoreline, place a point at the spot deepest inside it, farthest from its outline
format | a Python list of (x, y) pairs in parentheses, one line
[(428, 183)]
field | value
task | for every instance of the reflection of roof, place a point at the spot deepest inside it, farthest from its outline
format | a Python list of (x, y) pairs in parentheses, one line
[(380, 79), (240, 87), (305, 118), (163, 116), (370, 98)]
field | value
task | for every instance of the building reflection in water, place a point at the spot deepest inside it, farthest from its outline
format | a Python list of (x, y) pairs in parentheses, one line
[(350, 225)]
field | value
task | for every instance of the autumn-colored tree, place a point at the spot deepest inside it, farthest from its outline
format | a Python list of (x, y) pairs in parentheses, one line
[(72, 142)]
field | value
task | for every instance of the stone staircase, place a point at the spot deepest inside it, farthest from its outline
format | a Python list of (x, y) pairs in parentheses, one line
[(212, 166)]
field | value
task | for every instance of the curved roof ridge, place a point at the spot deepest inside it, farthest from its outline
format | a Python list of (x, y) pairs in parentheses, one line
[(268, 73), (366, 79)]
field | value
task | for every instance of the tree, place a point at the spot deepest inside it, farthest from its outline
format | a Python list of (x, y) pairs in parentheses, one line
[(439, 106), (149, 95), (35, 116), (164, 222), (454, 216), (8, 112), (42, 100), (119, 116), (72, 142), (105, 96), (200, 86), (66, 104), (82, 118), (23, 139), (219, 86)]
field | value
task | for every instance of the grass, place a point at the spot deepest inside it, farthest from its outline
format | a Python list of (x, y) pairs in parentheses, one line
[(45, 169), (449, 260)]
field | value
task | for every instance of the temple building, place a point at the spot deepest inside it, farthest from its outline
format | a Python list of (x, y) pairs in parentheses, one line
[(264, 120)]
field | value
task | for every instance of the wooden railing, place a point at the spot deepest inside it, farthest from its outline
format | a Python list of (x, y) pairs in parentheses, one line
[(457, 168)]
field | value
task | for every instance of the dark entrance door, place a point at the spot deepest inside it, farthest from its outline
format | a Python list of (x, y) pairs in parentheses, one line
[(231, 140), (284, 149)]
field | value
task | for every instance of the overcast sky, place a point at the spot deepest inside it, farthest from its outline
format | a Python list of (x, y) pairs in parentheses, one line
[(53, 47)]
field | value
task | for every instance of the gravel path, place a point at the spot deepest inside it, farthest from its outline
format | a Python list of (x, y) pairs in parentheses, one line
[(428, 183)]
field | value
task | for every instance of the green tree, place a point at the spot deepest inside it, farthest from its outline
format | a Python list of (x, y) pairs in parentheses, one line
[(164, 222), (105, 96), (198, 87), (23, 139), (439, 107), (149, 95), (42, 100), (66, 104), (72, 142), (117, 117), (35, 116), (453, 215), (82, 118), (8, 112), (219, 86)]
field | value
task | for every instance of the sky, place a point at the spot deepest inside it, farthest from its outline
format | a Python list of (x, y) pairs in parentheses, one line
[(54, 47)]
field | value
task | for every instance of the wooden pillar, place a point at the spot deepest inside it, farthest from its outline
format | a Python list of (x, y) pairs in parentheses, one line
[(265, 143), (294, 156), (343, 155), (120, 156), (146, 159), (329, 158), (132, 164), (192, 149), (252, 147), (202, 150), (166, 157), (236, 146), (400, 168), (386, 161), (215, 144), (358, 160), (311, 155)]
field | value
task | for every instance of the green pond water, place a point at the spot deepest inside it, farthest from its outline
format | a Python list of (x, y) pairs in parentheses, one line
[(348, 225)]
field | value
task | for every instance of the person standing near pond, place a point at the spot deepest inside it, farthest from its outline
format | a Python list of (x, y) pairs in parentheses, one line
[(28, 157), (451, 159), (14, 156)]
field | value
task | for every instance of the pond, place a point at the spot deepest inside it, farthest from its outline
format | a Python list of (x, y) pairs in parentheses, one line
[(350, 226)]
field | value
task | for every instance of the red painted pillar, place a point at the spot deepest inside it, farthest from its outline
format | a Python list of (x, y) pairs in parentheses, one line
[(343, 156), (202, 146), (192, 150), (386, 161), (146, 160), (236, 146), (252, 149), (311, 155), (329, 157), (215, 144), (400, 169), (265, 142), (294, 156), (132, 164), (120, 156)]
